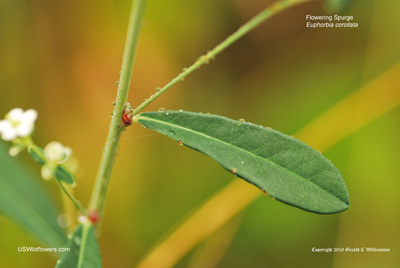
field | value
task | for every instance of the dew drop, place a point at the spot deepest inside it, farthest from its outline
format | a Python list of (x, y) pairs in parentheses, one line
[(180, 142), (77, 241), (242, 162), (114, 103), (158, 89), (69, 236), (241, 120), (180, 110), (161, 109), (117, 83), (184, 69), (59, 262), (167, 113), (83, 219), (64, 220), (233, 171)]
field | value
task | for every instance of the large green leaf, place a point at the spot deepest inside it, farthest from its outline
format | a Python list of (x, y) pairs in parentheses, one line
[(284, 167), (84, 250), (25, 201)]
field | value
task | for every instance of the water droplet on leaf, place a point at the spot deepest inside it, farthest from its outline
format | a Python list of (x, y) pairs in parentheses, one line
[(77, 241), (161, 109)]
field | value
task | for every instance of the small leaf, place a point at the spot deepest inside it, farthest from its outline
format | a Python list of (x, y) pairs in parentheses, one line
[(37, 154), (84, 250), (25, 201), (61, 173), (286, 168)]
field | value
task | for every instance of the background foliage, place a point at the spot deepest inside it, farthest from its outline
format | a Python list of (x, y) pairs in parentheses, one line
[(62, 58)]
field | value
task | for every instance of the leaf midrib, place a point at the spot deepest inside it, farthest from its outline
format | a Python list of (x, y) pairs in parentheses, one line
[(239, 148)]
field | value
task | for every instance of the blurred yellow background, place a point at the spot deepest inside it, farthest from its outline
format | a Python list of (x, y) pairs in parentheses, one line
[(63, 58)]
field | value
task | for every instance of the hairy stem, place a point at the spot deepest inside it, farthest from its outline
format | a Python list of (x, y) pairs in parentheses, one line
[(114, 134), (210, 55)]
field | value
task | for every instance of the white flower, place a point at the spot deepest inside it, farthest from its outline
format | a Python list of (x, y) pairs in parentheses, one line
[(56, 152), (47, 172), (17, 123)]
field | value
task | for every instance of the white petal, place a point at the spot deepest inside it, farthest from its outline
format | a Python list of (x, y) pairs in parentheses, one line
[(4, 125), (15, 150), (15, 114), (66, 154), (47, 172), (8, 134), (30, 116), (54, 151), (24, 130)]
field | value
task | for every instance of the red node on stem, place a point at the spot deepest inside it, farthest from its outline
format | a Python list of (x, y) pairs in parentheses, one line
[(126, 118), (93, 216)]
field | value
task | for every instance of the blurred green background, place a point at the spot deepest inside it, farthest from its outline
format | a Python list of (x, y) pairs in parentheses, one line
[(62, 58)]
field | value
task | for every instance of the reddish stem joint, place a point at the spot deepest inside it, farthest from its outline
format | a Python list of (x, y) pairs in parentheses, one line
[(127, 115), (93, 216)]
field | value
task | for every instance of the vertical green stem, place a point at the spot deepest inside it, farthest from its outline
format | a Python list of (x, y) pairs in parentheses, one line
[(114, 134)]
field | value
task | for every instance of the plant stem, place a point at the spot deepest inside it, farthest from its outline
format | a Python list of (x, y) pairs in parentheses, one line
[(114, 134), (69, 208), (76, 202), (210, 55)]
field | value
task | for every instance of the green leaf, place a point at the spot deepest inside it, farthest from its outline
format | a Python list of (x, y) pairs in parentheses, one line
[(284, 167), (63, 174), (37, 154), (25, 201), (84, 249)]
